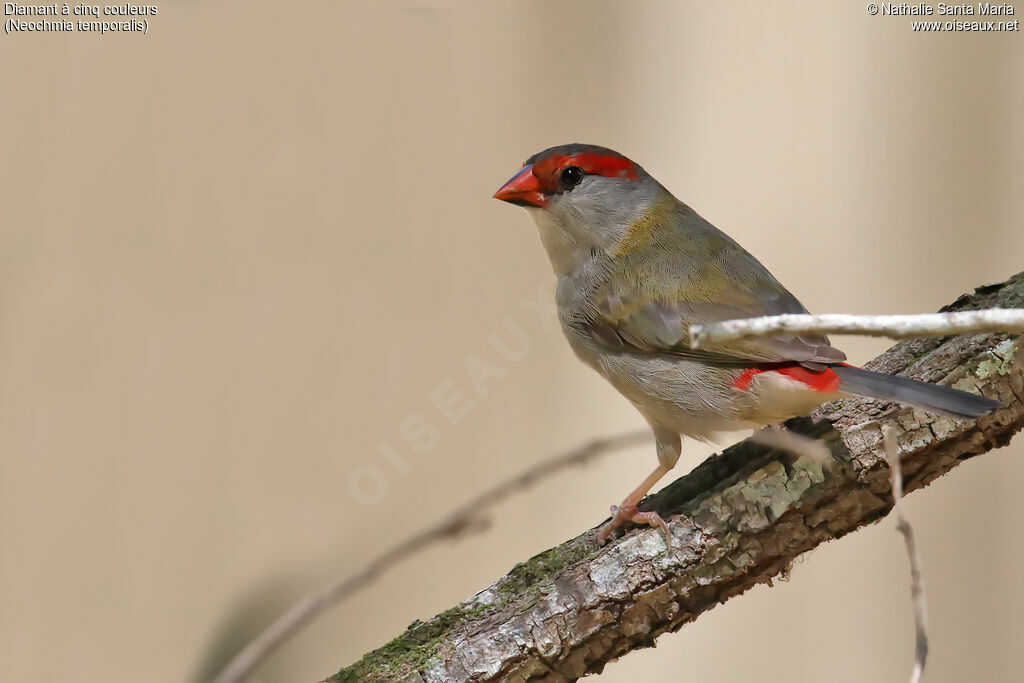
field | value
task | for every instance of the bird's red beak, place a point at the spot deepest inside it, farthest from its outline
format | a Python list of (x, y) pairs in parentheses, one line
[(523, 189)]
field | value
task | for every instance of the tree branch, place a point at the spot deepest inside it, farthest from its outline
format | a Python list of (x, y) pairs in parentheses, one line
[(468, 519), (739, 519)]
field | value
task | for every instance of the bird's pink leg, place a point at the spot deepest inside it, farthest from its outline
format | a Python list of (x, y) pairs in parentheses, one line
[(628, 512)]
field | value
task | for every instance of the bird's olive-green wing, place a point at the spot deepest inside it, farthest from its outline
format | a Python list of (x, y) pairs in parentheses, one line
[(694, 274)]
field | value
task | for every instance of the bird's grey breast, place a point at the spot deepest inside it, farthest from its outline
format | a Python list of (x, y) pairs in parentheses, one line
[(574, 300)]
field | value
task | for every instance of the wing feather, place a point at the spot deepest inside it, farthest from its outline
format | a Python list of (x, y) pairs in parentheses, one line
[(684, 272)]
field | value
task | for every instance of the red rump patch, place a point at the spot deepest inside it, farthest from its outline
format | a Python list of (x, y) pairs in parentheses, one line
[(825, 381), (608, 165)]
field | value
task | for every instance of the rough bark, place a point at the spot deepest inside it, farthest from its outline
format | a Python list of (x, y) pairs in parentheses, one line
[(738, 520)]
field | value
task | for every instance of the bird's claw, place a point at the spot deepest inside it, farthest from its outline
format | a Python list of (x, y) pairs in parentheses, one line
[(630, 514)]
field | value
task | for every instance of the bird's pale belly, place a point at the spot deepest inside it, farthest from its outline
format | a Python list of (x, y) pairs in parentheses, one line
[(701, 401)]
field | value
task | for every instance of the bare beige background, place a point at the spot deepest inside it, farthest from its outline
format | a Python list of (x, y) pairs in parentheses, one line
[(237, 254)]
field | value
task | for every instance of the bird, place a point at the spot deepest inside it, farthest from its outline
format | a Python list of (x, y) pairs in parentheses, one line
[(635, 268)]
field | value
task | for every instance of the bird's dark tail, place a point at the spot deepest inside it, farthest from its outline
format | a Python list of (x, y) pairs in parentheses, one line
[(934, 398)]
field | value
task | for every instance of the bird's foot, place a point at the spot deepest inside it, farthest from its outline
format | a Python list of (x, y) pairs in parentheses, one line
[(628, 513)]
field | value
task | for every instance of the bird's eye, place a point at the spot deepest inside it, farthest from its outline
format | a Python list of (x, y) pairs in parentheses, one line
[(571, 177)]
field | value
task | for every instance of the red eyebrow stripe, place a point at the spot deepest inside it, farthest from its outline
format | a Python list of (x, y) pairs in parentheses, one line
[(594, 164), (610, 166)]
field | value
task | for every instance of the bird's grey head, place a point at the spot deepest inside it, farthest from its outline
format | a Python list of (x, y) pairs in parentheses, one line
[(583, 198)]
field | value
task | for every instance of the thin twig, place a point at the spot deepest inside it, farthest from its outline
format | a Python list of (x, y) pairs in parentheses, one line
[(466, 520), (892, 452), (893, 326), (777, 436)]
